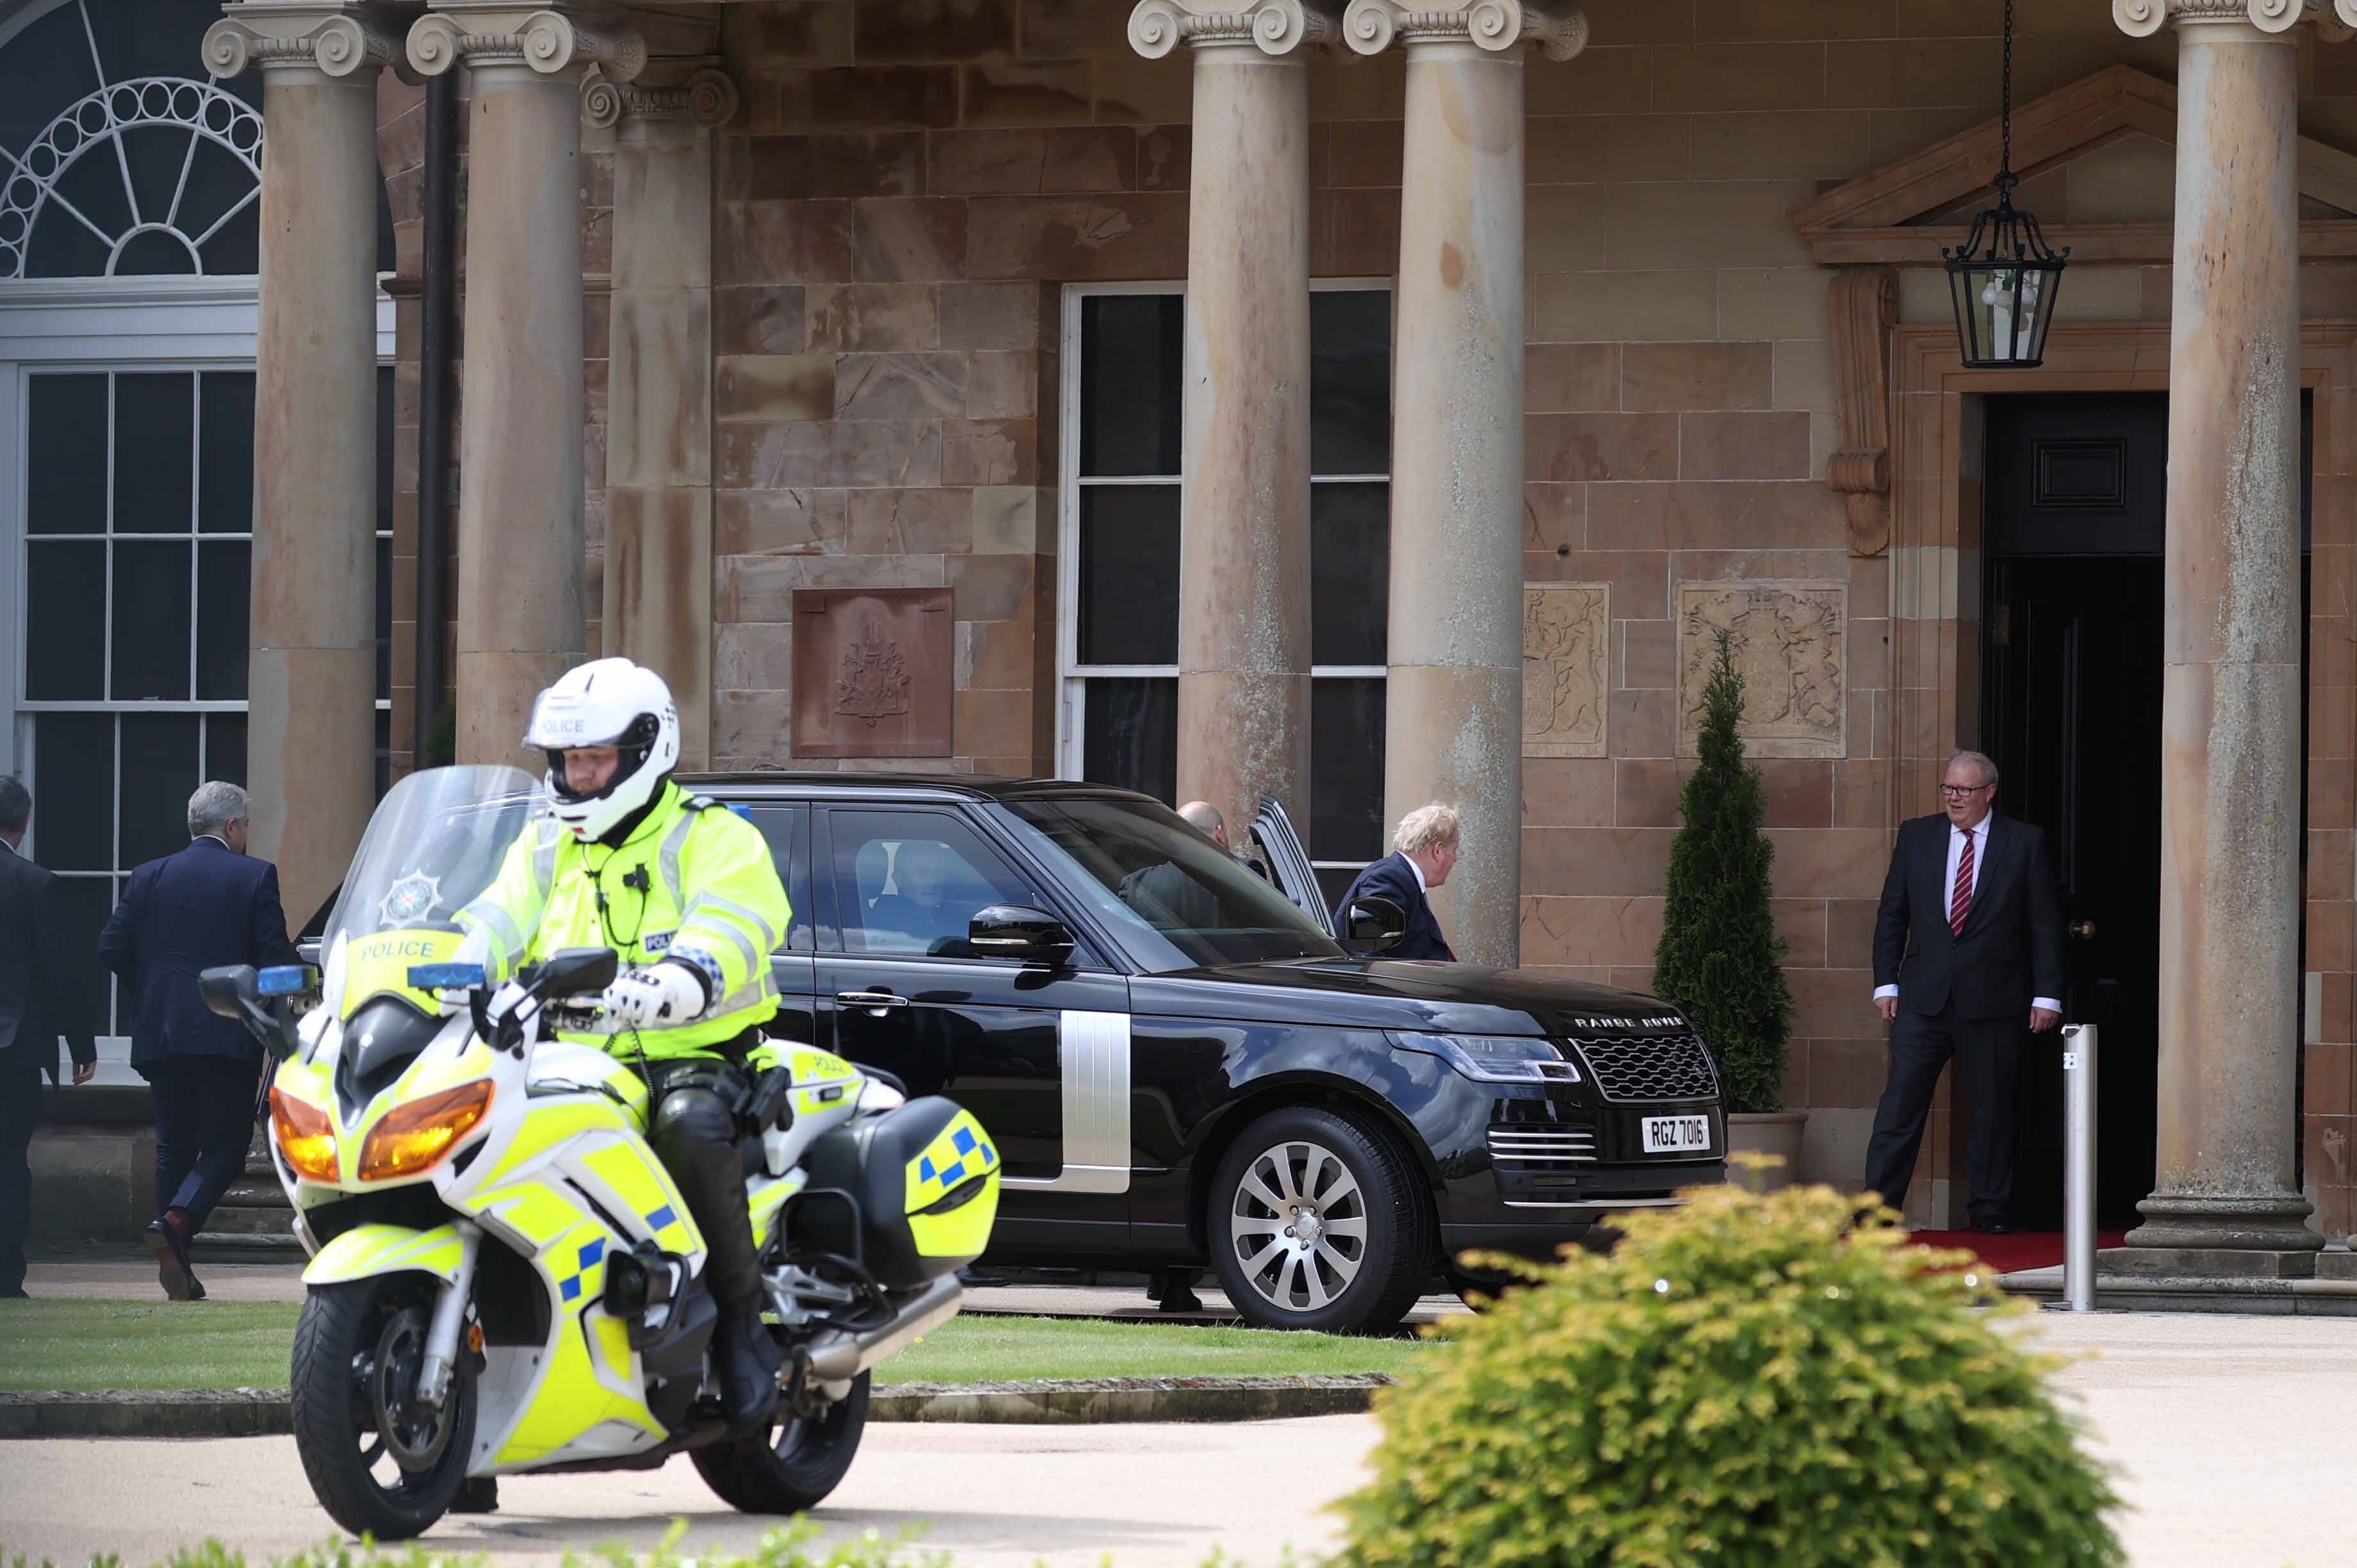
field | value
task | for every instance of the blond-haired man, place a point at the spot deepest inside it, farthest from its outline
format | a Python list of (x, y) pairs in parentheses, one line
[(1424, 851)]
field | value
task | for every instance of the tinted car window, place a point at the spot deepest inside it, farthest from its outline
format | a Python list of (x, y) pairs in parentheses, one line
[(787, 827), (1181, 901), (908, 882)]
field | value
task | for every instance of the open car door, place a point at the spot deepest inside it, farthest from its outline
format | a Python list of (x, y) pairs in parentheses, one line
[(1289, 862)]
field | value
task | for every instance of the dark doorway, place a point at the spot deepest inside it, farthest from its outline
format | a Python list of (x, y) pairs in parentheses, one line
[(2072, 662)]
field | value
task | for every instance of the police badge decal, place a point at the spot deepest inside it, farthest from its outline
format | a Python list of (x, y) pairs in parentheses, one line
[(411, 899)]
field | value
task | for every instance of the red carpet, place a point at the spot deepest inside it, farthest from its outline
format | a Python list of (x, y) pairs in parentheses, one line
[(2022, 1250)]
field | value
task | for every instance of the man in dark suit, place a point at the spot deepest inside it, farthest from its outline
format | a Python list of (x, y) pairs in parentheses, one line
[(39, 1001), (206, 905), (1967, 950), (1424, 851)]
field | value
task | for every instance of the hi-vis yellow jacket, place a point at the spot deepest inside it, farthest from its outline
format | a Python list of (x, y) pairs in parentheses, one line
[(692, 882)]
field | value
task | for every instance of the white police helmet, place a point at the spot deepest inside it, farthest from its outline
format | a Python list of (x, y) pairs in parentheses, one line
[(606, 701)]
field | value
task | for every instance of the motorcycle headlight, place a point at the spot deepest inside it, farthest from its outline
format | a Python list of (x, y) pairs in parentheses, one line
[(1496, 1058), (412, 1137), (306, 1137)]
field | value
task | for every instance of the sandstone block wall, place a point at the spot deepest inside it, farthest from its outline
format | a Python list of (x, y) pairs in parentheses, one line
[(909, 184)]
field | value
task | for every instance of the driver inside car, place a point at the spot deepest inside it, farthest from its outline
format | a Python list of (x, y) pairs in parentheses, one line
[(686, 893)]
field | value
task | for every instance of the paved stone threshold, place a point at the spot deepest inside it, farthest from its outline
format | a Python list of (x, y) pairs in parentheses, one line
[(263, 1412), (2137, 1293)]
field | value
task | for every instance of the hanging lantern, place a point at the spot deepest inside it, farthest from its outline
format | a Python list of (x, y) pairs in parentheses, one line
[(2003, 280)]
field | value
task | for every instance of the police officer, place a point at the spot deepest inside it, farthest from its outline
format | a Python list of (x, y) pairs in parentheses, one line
[(686, 893)]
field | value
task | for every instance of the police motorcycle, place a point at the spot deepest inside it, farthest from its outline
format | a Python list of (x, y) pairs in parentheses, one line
[(503, 1277)]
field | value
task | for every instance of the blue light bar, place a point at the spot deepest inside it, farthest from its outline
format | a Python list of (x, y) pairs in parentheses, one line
[(283, 980), (445, 976)]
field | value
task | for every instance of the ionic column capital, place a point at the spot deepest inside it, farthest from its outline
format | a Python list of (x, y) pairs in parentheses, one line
[(332, 37), (1275, 27), (694, 91), (1559, 26), (2335, 19), (551, 40)]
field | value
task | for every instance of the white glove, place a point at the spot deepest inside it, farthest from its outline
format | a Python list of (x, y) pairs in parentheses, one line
[(648, 998)]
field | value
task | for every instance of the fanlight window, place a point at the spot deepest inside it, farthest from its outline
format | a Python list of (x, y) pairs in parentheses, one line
[(112, 163)]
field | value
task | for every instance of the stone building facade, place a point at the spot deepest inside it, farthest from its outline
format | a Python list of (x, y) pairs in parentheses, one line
[(784, 295)]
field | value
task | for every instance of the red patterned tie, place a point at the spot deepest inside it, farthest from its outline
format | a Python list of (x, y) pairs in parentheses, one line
[(1960, 902)]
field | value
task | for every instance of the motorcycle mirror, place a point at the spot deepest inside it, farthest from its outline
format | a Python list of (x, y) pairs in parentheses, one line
[(575, 972), (445, 976), (228, 990)]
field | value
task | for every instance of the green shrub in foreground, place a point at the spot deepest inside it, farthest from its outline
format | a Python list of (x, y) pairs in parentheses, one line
[(1739, 1383)]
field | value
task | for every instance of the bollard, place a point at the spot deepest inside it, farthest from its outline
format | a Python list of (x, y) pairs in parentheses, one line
[(2079, 1166)]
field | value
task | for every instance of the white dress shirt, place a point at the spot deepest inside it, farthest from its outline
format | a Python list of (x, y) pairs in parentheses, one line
[(1978, 833), (1421, 885)]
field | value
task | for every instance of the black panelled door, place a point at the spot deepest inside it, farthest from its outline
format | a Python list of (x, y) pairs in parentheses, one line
[(2071, 695)]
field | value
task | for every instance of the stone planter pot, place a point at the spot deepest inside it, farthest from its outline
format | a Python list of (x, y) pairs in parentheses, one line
[(1776, 1132)]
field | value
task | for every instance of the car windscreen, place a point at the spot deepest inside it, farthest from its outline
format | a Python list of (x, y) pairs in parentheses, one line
[(1177, 899)]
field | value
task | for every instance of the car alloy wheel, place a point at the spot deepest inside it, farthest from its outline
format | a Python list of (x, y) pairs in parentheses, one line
[(1315, 1219), (1298, 1224)]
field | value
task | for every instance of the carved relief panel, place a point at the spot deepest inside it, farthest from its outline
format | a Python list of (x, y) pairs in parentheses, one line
[(872, 672), (1792, 646), (1567, 668)]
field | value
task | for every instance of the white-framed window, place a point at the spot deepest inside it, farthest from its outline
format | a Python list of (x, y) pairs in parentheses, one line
[(1117, 604), (129, 309), (126, 503), (119, 157)]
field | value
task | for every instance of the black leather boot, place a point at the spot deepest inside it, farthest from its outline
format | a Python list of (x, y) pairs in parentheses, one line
[(477, 1494), (748, 1363)]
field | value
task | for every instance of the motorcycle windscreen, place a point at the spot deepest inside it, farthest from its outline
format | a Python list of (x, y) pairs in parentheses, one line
[(437, 839)]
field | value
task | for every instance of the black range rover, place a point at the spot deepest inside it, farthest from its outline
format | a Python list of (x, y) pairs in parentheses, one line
[(1180, 1064)]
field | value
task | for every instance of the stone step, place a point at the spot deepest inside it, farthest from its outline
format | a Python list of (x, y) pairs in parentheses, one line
[(261, 1247), (254, 1192), (239, 1220)]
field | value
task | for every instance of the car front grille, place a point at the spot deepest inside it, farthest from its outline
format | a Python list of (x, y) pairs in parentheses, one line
[(1634, 1068), (1541, 1145)]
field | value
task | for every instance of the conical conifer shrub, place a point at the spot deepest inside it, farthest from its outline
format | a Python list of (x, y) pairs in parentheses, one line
[(1719, 957)]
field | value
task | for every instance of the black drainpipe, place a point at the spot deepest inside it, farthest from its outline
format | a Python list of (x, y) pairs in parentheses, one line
[(434, 432)]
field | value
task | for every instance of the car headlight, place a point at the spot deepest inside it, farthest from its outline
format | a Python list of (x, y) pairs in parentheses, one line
[(1496, 1058), (306, 1137), (412, 1137)]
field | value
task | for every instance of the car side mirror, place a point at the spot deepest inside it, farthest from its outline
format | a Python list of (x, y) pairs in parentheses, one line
[(573, 972), (1016, 931), (1372, 924)]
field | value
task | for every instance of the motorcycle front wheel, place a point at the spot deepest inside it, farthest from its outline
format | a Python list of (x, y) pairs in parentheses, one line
[(790, 1466), (379, 1462)]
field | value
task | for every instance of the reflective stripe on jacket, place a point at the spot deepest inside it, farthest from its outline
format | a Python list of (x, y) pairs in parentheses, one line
[(692, 882)]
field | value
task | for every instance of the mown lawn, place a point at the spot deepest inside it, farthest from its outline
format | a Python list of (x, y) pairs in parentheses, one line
[(68, 1344), (62, 1343), (995, 1349)]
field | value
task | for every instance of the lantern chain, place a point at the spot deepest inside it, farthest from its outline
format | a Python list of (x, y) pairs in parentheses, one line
[(2005, 113)]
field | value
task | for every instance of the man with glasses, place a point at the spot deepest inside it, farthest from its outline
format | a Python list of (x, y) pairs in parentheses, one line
[(1967, 950)]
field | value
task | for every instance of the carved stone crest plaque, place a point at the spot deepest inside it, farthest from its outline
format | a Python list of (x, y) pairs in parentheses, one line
[(1791, 645), (872, 672), (1566, 665)]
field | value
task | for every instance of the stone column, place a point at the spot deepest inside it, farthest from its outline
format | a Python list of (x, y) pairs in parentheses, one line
[(311, 672), (1453, 710), (1244, 510), (658, 579), (2224, 1202), (520, 618)]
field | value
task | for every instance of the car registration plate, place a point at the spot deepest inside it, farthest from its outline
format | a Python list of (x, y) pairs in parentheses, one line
[(1677, 1135)]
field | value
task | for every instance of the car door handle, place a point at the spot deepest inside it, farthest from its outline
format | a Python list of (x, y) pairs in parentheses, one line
[(875, 1002)]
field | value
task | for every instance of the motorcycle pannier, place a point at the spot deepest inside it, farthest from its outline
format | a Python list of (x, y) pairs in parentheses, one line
[(924, 1179)]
